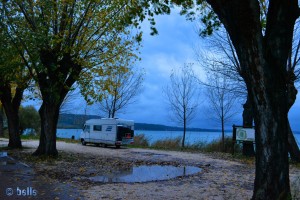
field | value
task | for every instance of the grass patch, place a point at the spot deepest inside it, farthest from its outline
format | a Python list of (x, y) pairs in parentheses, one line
[(5, 148), (217, 146), (36, 137), (30, 137), (68, 140), (140, 141), (170, 143)]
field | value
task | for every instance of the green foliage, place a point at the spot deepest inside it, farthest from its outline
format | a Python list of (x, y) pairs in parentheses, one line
[(60, 39), (29, 119), (13, 74)]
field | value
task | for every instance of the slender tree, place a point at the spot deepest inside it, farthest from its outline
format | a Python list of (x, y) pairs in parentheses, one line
[(70, 100), (122, 91), (182, 96), (222, 101)]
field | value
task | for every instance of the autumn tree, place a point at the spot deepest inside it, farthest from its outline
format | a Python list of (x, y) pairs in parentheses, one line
[(14, 79), (124, 86), (29, 119), (117, 89), (62, 39), (182, 96)]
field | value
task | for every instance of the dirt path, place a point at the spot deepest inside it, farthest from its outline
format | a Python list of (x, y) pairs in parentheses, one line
[(219, 178)]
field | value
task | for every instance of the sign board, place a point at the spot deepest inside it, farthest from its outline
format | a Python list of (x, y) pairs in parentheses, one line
[(245, 134)]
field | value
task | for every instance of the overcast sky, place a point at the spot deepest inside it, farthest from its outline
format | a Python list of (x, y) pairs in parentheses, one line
[(160, 54), (171, 49)]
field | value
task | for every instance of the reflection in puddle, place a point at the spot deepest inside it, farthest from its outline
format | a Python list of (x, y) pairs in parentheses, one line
[(3, 154), (3, 163), (145, 174)]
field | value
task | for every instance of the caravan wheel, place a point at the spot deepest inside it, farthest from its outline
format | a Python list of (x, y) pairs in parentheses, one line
[(83, 142)]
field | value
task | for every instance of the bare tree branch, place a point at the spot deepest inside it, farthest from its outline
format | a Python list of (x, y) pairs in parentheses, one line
[(182, 95)]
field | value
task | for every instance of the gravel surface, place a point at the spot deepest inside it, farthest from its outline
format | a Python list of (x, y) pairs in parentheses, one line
[(221, 177)]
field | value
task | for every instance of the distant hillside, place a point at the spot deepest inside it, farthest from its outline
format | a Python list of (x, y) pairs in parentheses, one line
[(72, 121), (159, 127)]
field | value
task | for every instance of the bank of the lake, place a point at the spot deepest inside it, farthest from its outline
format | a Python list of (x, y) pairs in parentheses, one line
[(191, 136)]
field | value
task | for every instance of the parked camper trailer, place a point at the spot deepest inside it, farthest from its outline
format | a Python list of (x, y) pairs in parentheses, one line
[(108, 131)]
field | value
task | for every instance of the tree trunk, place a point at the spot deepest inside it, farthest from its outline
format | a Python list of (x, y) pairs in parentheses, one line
[(184, 127), (184, 132), (293, 146), (11, 106), (223, 131), (248, 114), (263, 61), (13, 127), (292, 95), (272, 166), (248, 147), (54, 86), (1, 122), (49, 114)]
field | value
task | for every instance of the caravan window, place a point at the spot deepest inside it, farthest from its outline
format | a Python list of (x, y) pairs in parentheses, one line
[(86, 128), (109, 128), (97, 128)]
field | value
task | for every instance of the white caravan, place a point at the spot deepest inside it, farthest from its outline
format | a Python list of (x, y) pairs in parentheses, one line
[(108, 131)]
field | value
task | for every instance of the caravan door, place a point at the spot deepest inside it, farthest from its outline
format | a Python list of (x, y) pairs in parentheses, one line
[(96, 134), (86, 132)]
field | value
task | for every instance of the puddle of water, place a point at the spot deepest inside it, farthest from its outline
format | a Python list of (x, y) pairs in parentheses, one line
[(3, 163), (3, 154), (145, 174), (8, 162)]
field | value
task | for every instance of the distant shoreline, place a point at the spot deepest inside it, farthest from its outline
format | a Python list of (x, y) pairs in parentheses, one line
[(73, 121), (151, 127)]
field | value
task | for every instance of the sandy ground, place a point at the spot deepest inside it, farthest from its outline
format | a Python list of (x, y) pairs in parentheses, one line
[(220, 178)]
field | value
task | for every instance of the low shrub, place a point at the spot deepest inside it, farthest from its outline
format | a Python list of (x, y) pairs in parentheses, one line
[(197, 146), (217, 146), (141, 140), (170, 143)]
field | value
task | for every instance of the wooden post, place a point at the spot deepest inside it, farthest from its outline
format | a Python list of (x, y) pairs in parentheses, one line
[(233, 137)]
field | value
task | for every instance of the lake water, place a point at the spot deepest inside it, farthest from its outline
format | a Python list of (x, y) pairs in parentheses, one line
[(191, 137)]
